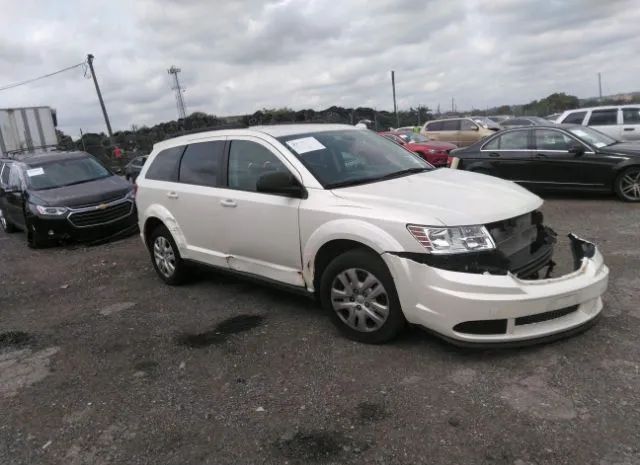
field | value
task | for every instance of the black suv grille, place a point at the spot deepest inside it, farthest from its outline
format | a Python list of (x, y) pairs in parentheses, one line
[(101, 216)]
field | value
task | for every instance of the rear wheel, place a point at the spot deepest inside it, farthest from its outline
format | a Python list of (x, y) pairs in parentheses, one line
[(7, 226), (166, 258), (358, 291), (627, 184)]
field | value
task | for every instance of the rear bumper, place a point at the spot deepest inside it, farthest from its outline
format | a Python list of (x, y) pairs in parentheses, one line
[(491, 309)]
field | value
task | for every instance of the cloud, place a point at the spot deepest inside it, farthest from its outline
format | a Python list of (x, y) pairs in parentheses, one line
[(239, 56)]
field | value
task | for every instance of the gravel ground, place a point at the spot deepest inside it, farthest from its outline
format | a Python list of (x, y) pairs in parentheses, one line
[(100, 363)]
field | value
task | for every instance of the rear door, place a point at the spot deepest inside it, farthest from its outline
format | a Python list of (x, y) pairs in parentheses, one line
[(630, 124), (261, 231), (607, 121), (451, 132), (510, 155)]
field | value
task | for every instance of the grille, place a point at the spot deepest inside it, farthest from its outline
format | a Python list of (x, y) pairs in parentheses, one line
[(97, 217), (546, 316)]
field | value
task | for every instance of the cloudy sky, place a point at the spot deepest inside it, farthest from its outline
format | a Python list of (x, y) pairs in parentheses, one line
[(239, 56)]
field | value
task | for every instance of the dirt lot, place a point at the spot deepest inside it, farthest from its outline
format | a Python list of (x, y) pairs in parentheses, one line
[(100, 363)]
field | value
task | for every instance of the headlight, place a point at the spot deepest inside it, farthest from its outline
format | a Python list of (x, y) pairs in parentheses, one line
[(51, 211), (131, 195), (460, 239)]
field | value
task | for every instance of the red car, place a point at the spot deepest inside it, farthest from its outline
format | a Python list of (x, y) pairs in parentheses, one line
[(435, 152)]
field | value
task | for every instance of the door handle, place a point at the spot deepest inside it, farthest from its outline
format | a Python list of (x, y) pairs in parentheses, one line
[(540, 155), (494, 155), (172, 195), (228, 203), (629, 129)]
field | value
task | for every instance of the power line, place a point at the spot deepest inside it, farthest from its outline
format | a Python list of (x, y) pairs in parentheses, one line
[(28, 81)]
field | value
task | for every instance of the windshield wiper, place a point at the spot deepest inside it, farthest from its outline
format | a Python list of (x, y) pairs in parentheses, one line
[(395, 174)]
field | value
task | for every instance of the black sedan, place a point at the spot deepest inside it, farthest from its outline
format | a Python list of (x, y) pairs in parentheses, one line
[(525, 121), (66, 195), (559, 157)]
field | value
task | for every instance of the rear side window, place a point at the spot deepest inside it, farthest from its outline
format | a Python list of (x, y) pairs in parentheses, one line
[(631, 115), (248, 161), (603, 117), (435, 126), (165, 165), (201, 163), (514, 140), (453, 125), (574, 118)]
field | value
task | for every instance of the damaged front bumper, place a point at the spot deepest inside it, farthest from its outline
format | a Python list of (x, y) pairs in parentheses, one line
[(485, 308)]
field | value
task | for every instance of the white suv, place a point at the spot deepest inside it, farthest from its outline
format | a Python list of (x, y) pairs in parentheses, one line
[(622, 122), (377, 234)]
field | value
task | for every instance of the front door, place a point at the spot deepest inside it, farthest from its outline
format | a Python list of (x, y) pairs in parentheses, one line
[(261, 230), (14, 201), (555, 165), (630, 124)]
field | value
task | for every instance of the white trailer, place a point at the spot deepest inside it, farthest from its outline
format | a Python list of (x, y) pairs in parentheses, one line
[(27, 130)]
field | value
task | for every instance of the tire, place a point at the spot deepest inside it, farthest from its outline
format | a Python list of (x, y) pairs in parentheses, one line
[(7, 226), (352, 312), (165, 257), (627, 184)]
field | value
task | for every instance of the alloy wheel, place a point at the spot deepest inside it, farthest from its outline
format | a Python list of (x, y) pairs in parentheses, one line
[(360, 300), (630, 184), (164, 256)]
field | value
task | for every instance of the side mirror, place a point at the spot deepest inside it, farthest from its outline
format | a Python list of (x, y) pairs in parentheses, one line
[(474, 128), (9, 190), (577, 150), (281, 183)]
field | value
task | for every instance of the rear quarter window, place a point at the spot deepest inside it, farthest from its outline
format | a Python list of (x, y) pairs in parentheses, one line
[(165, 165), (435, 126)]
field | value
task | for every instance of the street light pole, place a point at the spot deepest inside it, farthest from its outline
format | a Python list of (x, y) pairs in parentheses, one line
[(104, 109), (395, 108)]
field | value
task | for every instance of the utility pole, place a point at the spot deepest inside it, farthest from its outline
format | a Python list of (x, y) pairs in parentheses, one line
[(104, 109), (182, 112), (395, 108), (600, 85), (453, 103), (84, 148)]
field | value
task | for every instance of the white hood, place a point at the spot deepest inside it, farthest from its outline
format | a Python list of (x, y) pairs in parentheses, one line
[(444, 196)]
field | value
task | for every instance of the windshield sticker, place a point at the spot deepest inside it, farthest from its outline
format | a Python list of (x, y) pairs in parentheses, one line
[(35, 172), (306, 144)]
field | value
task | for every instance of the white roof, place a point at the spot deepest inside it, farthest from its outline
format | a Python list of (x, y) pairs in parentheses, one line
[(278, 130), (606, 107)]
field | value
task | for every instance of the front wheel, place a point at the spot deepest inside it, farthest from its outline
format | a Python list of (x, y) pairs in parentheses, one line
[(627, 184), (358, 291), (166, 258)]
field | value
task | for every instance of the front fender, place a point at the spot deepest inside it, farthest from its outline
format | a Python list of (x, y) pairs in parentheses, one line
[(355, 230), (161, 213)]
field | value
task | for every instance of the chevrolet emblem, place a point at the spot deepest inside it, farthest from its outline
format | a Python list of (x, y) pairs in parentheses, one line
[(102, 206)]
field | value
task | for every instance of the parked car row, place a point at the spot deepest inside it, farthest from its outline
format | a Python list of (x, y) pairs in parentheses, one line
[(435, 152)]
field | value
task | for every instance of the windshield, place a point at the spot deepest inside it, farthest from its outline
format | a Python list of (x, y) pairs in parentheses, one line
[(591, 136), (413, 137), (49, 175), (347, 157)]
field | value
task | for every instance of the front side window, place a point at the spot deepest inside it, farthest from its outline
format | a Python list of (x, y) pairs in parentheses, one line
[(514, 140), (4, 177), (349, 157), (631, 115), (165, 165), (14, 180), (603, 117), (248, 161), (467, 125), (61, 173), (451, 125), (201, 162), (575, 118), (552, 140)]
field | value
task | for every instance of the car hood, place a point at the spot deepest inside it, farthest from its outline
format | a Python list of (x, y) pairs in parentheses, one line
[(87, 193), (434, 144), (443, 197), (626, 148)]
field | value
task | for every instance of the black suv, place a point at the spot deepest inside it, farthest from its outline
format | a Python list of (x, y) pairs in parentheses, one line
[(66, 195)]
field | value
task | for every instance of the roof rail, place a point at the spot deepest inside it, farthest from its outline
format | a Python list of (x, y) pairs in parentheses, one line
[(207, 129)]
